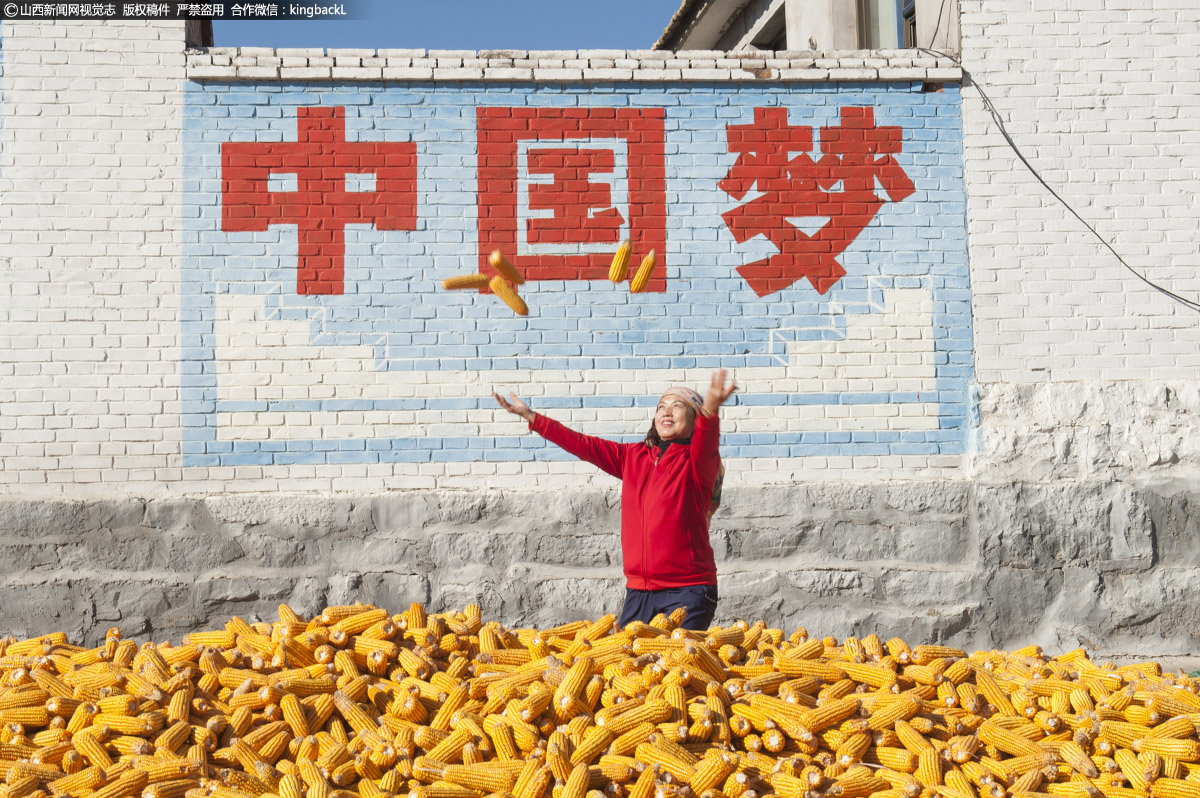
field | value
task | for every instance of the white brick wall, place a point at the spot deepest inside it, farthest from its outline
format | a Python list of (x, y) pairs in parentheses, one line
[(90, 206), (89, 246), (1101, 97)]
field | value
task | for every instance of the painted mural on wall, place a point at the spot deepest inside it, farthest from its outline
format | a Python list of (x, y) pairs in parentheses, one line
[(809, 237)]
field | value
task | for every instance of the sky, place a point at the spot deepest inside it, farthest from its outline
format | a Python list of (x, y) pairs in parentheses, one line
[(466, 25)]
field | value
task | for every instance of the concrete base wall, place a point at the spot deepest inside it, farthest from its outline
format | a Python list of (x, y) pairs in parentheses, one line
[(1112, 566)]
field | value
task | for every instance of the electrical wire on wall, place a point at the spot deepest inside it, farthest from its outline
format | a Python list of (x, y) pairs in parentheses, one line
[(995, 114)]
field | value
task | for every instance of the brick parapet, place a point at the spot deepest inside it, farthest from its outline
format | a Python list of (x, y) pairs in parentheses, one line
[(257, 63)]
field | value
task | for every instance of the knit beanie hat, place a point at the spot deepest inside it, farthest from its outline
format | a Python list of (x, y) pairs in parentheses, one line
[(687, 394)]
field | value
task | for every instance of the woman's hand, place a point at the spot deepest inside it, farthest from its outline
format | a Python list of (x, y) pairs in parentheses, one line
[(717, 393), (516, 406)]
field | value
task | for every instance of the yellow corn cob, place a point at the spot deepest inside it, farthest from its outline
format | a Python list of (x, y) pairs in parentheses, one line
[(503, 289), (1141, 715), (174, 788), (1174, 788), (1081, 700), (929, 768), (930, 674), (786, 785), (27, 696), (1178, 727), (442, 789), (899, 650), (644, 784), (459, 281), (1077, 787), (774, 742), (1167, 702), (1030, 781), (829, 714), (1152, 765), (571, 687), (905, 783), (1118, 699), (87, 779), (129, 784), (642, 276), (873, 647), (959, 671), (649, 712), (450, 748), (947, 693), (628, 742), (1078, 759), (793, 667), (618, 768), (557, 753), (910, 738), (962, 748), (758, 716), (851, 750), (656, 755), (877, 676), (480, 777), (595, 740), (1183, 750), (712, 771), (620, 263), (576, 785), (859, 781), (506, 269), (92, 750), (19, 787), (990, 689), (675, 749), (1018, 765), (957, 784), (903, 708), (535, 785), (503, 742), (897, 759), (28, 716), (1122, 734), (992, 733)]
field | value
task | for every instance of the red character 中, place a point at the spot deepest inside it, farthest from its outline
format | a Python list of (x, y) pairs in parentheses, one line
[(320, 207)]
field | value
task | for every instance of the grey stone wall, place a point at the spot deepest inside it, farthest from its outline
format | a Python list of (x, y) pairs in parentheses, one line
[(1106, 564)]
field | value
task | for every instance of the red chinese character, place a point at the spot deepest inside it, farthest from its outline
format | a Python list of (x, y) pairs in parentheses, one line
[(574, 146), (320, 207), (839, 187), (582, 210)]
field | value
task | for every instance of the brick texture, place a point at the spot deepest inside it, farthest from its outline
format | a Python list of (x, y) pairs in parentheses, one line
[(198, 309), (1093, 93)]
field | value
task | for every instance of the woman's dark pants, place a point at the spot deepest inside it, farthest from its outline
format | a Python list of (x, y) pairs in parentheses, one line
[(699, 600)]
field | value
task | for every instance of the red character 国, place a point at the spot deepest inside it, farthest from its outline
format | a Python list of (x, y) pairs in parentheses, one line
[(548, 185), (839, 187)]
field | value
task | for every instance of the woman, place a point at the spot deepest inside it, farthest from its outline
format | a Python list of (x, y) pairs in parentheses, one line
[(670, 486)]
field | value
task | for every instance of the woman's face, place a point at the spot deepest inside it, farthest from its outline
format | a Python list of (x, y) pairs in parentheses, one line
[(674, 418)]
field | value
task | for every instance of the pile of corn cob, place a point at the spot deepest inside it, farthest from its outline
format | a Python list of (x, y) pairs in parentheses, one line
[(360, 703)]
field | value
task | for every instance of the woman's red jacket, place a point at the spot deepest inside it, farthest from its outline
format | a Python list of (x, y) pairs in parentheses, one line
[(664, 501)]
